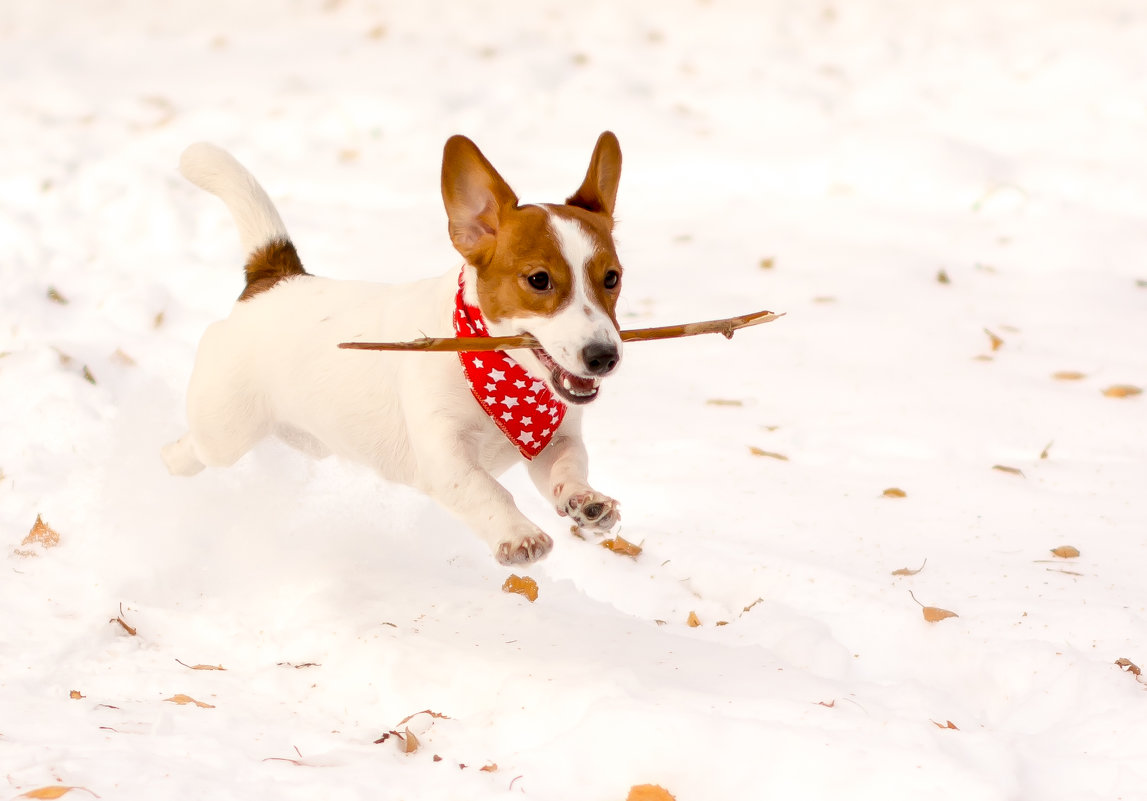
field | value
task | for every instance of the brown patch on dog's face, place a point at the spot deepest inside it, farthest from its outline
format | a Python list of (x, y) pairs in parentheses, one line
[(269, 265)]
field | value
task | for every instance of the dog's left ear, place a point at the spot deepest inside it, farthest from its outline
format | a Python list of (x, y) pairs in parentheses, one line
[(598, 191)]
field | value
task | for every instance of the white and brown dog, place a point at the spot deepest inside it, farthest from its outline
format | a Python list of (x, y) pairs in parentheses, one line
[(442, 422)]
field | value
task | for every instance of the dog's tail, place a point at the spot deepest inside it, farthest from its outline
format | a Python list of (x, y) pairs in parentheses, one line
[(270, 255)]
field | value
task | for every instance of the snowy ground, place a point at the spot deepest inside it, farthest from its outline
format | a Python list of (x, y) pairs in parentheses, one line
[(858, 148)]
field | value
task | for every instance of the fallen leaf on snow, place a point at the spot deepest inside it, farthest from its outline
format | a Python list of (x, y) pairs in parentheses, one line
[(753, 449), (693, 620), (55, 791), (947, 725), (621, 546), (55, 296), (724, 402), (943, 278), (649, 792), (409, 742), (1122, 391), (895, 492), (1069, 375), (933, 613), (767, 264), (91, 379), (754, 603), (1066, 551), (1129, 666), (491, 767), (997, 343), (123, 623), (413, 715), (1047, 448), (522, 585), (182, 700), (42, 534), (829, 704), (200, 667), (123, 358), (904, 571), (1003, 468), (76, 695)]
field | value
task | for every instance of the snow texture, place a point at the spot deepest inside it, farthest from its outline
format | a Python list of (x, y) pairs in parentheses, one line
[(859, 148)]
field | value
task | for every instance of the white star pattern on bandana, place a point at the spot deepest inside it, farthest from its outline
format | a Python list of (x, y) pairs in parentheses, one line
[(505, 383)]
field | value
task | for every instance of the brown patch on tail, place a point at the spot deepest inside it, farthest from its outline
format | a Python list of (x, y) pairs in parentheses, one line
[(269, 265)]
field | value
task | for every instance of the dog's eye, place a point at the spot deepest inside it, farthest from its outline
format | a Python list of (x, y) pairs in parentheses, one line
[(612, 279), (539, 280)]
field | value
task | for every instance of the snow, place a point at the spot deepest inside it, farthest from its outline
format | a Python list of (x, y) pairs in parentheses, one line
[(862, 147)]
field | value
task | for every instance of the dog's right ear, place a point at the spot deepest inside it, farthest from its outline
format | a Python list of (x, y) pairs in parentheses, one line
[(476, 197)]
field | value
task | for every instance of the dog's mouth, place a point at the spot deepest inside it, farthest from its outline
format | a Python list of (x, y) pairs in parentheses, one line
[(570, 387)]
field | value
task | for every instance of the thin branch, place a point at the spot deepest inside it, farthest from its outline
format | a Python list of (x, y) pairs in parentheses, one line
[(724, 327)]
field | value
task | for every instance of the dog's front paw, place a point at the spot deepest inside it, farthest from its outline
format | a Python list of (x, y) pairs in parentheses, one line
[(524, 549), (592, 510)]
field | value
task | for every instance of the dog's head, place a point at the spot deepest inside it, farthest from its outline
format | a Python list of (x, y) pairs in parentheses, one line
[(548, 270)]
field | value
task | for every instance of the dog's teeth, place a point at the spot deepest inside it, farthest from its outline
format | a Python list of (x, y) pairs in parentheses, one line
[(566, 383), (596, 383)]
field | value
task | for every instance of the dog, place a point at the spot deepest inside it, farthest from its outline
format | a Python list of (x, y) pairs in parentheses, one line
[(445, 423)]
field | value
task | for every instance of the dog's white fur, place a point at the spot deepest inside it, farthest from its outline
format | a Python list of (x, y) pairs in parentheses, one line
[(273, 368)]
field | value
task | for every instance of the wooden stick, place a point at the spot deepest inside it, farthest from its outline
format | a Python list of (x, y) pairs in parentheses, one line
[(724, 327)]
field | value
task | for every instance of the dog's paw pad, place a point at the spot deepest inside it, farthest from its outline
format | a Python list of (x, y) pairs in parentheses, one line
[(522, 550), (592, 510)]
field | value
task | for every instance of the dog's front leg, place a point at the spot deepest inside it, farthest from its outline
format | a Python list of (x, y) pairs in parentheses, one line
[(560, 472), (474, 496)]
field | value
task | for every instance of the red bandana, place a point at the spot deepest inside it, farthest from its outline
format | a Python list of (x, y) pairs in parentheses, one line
[(521, 405)]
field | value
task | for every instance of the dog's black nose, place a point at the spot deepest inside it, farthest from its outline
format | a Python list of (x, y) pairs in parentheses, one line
[(600, 357)]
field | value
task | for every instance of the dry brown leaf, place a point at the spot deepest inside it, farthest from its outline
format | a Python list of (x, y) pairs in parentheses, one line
[(91, 379), (1047, 448), (489, 767), (1003, 468), (983, 357), (767, 263), (76, 695), (55, 296), (753, 449), (621, 546), (649, 792), (1066, 551), (183, 700), (1129, 666), (997, 343), (1068, 375), (200, 667), (158, 321), (895, 492), (123, 623), (934, 613), (693, 620), (904, 571), (724, 402), (42, 534), (750, 606), (123, 358), (1122, 391), (721, 623), (409, 742), (943, 278), (522, 585), (413, 715), (829, 704), (55, 791), (946, 725)]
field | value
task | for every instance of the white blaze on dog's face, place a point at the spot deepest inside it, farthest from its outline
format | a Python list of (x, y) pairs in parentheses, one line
[(550, 271)]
